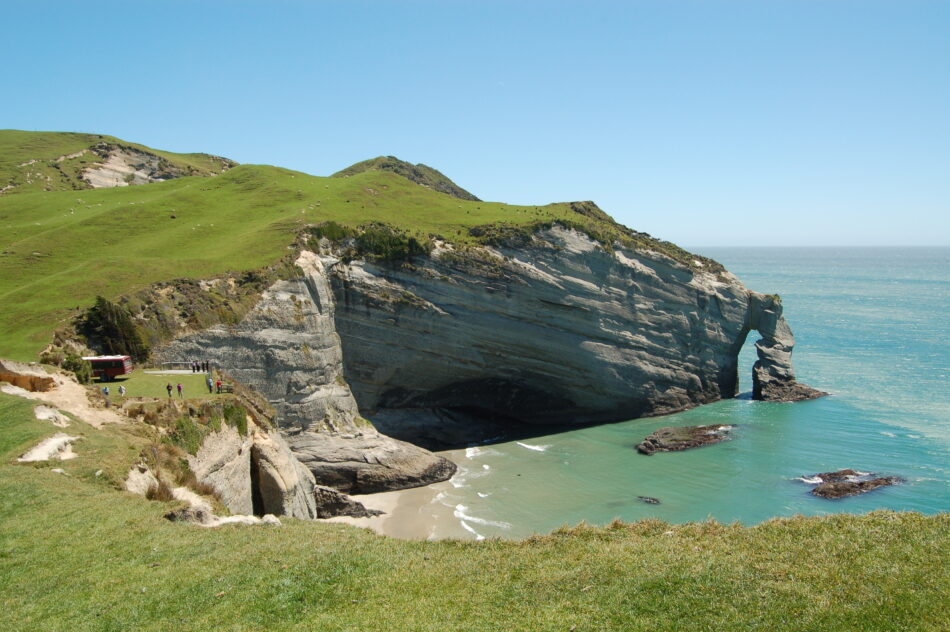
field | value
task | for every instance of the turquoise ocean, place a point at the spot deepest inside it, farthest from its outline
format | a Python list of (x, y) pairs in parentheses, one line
[(872, 327)]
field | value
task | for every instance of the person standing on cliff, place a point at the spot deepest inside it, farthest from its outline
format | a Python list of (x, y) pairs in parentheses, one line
[(180, 396), (168, 387), (209, 383)]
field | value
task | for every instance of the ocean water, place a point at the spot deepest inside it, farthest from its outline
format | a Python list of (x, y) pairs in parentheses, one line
[(872, 327)]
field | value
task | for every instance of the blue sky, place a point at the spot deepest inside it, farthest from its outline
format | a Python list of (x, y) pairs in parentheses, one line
[(766, 122)]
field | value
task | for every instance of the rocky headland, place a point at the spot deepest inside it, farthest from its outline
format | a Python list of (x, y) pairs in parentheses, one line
[(366, 359)]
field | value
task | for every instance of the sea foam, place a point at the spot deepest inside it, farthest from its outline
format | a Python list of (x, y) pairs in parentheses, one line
[(536, 448)]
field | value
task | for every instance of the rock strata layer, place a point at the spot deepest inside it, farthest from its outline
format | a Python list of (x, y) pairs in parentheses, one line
[(683, 438)]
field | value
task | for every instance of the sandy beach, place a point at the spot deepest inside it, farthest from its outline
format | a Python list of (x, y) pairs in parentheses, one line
[(413, 514)]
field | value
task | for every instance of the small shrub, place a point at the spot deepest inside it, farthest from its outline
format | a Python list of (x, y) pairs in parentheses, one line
[(188, 479), (56, 357), (82, 368), (332, 231), (388, 244), (236, 416), (187, 435), (160, 492)]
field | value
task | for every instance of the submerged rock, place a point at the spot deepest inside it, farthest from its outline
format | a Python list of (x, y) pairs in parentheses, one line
[(683, 438), (848, 482), (649, 500)]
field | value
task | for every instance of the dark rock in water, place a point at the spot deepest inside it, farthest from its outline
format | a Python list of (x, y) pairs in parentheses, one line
[(649, 500), (331, 503), (848, 482), (683, 438)]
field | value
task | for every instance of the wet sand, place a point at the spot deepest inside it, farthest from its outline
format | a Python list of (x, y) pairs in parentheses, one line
[(413, 514)]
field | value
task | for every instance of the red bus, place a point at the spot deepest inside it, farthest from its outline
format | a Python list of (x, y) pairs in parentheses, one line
[(106, 368)]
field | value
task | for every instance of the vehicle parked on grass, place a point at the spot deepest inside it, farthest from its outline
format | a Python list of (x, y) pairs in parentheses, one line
[(107, 368)]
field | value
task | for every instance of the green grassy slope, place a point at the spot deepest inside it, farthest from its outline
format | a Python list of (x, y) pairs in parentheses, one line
[(420, 174), (34, 161), (58, 250), (75, 554)]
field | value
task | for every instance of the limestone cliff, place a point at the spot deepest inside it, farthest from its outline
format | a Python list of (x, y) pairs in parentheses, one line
[(460, 345), (465, 344), (286, 348)]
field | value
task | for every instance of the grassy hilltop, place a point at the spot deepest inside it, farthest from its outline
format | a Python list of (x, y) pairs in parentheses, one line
[(54, 161), (60, 249), (75, 555)]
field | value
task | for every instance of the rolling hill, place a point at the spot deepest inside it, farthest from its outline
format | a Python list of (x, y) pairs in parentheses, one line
[(61, 248)]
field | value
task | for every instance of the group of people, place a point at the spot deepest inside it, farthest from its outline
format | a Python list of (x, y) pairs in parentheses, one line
[(212, 385), (168, 387), (200, 367), (105, 391)]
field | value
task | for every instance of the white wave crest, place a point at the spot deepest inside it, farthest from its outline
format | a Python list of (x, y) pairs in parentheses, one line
[(811, 480), (461, 515), (478, 536), (536, 448)]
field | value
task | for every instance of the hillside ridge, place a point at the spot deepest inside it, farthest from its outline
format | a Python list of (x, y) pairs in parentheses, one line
[(58, 161), (418, 173)]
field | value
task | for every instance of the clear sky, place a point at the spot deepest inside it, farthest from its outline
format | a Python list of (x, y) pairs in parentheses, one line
[(706, 122)]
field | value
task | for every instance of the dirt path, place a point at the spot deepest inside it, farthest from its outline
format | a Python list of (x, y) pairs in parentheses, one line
[(66, 395)]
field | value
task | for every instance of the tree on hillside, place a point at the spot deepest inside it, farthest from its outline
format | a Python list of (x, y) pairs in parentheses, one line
[(109, 327)]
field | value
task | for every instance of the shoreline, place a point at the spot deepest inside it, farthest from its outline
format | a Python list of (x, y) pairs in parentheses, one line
[(415, 513)]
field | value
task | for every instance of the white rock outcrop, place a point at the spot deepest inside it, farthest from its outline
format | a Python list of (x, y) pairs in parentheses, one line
[(59, 446)]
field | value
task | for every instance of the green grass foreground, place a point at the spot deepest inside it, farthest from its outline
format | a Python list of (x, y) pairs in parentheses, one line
[(75, 554)]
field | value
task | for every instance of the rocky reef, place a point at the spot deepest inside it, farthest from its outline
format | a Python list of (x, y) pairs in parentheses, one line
[(679, 438), (847, 482)]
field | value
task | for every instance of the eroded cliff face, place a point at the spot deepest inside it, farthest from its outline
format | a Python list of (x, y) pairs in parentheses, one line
[(459, 346), (255, 473), (469, 344), (287, 349)]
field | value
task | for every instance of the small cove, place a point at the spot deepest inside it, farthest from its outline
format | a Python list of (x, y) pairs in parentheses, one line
[(872, 327)]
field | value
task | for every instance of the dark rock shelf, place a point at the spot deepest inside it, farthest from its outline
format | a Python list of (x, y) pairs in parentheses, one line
[(848, 482), (684, 438)]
